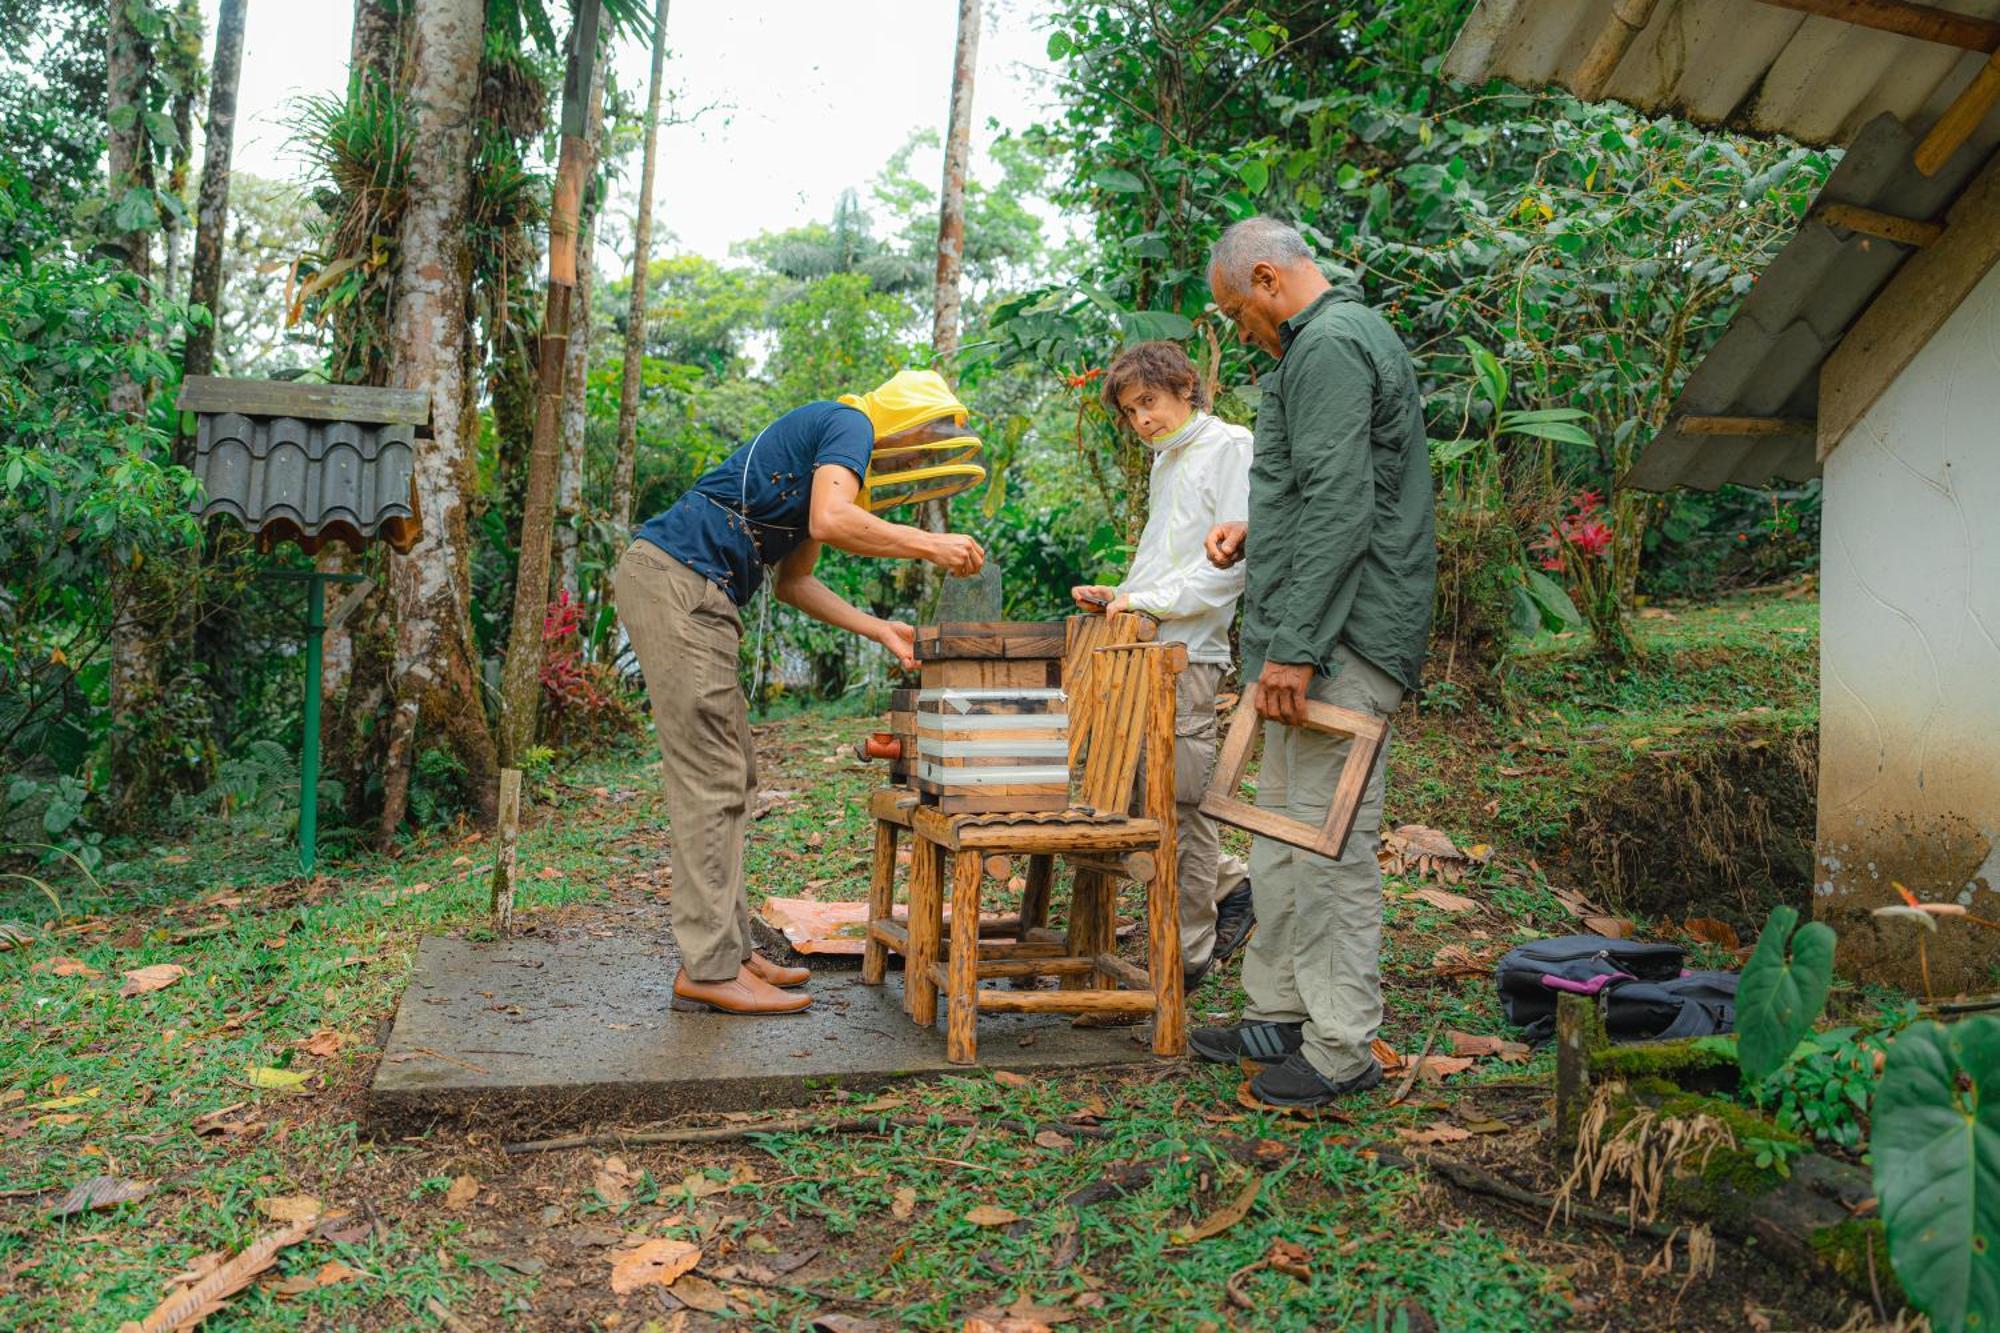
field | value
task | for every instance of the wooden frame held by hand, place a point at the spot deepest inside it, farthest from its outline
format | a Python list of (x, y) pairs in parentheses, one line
[(1328, 839)]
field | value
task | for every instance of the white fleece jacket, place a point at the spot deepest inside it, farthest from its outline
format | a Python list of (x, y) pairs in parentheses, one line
[(1201, 477)]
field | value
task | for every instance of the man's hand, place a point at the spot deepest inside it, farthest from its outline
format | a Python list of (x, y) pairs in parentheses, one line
[(1225, 543), (901, 641), (956, 553), (1281, 692), (1093, 597)]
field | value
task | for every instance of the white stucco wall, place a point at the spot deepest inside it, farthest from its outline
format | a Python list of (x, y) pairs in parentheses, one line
[(1910, 657)]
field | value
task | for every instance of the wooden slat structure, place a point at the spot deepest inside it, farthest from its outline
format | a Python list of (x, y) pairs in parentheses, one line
[(1329, 837), (1124, 686)]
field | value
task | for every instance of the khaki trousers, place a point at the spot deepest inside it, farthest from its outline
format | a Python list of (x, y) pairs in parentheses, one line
[(685, 632), (1206, 877), (1316, 956)]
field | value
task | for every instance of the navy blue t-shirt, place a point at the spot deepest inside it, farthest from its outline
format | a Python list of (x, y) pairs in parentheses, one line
[(729, 526)]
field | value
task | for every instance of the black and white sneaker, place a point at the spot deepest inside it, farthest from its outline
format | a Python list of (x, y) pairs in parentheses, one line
[(1297, 1083), (1235, 918), (1266, 1043)]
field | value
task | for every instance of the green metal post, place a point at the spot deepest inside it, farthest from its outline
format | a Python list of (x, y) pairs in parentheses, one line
[(309, 759)]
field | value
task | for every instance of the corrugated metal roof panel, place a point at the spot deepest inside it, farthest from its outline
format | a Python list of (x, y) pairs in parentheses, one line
[(288, 479), (1749, 66), (1767, 362)]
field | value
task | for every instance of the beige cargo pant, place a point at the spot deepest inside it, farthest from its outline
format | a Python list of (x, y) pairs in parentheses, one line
[(685, 631), (1206, 876), (1316, 956)]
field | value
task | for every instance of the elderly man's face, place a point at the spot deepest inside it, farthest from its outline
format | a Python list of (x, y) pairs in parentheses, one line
[(1252, 309)]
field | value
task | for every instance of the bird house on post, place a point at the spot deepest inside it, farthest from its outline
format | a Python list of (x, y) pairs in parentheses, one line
[(309, 464)]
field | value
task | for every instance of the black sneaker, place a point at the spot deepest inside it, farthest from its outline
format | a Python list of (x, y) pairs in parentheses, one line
[(1235, 918), (1266, 1043), (1297, 1083)]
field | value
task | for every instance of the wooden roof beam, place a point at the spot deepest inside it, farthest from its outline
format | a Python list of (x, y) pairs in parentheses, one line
[(1886, 226), (1613, 40), (1926, 22), (1745, 426), (1907, 313), (1961, 118)]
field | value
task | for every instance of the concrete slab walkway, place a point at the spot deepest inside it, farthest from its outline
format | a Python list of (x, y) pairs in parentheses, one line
[(547, 1032)]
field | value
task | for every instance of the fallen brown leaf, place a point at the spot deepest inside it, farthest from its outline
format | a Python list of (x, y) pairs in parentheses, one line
[(990, 1215), (1709, 930), (1611, 927), (1289, 1259), (1224, 1217), (903, 1204), (699, 1293), (323, 1043), (1438, 1068), (613, 1181), (462, 1192), (335, 1271), (1444, 901), (1053, 1141), (145, 980), (100, 1192), (1434, 1134), (188, 1307), (1012, 1079), (291, 1208), (654, 1263), (67, 967)]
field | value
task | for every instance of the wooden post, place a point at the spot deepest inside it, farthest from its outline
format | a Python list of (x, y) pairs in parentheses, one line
[(503, 859), (1035, 898), (1086, 904), (1579, 1033), (1163, 925), (926, 911), (961, 1019), (881, 901)]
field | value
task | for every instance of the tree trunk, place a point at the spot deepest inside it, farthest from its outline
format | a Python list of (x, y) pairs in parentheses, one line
[(128, 155), (379, 42), (212, 211), (934, 515), (435, 673), (627, 449), (184, 68), (521, 683), (137, 618), (567, 536)]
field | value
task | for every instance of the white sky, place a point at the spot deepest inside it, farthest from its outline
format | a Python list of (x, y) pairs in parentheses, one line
[(808, 101)]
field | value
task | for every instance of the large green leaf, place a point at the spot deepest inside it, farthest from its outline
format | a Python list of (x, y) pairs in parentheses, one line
[(1936, 1149), (1553, 604), (1141, 325), (1782, 991)]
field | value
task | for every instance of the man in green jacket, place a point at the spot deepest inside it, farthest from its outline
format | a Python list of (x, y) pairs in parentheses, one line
[(1342, 564)]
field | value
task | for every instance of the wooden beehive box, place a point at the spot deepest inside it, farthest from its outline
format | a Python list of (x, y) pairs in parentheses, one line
[(992, 729)]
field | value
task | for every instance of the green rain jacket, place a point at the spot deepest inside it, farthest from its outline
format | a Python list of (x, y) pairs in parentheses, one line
[(1342, 545)]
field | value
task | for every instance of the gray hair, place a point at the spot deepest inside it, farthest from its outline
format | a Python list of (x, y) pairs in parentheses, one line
[(1255, 241)]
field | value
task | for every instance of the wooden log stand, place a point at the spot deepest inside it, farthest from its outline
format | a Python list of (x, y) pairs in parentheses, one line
[(1120, 691)]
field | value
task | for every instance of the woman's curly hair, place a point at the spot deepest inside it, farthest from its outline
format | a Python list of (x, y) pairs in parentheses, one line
[(1155, 365)]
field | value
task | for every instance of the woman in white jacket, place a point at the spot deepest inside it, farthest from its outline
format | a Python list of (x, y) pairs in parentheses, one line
[(1201, 477)]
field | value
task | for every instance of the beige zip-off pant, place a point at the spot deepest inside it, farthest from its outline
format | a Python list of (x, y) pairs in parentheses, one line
[(1316, 956), (685, 631), (1205, 876)]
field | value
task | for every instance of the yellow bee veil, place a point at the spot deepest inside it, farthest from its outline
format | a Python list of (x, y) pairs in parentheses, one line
[(921, 449)]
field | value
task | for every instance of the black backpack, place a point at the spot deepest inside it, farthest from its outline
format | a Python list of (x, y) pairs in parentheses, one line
[(1646, 992)]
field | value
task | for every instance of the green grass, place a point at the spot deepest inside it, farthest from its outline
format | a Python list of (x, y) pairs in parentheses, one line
[(271, 962)]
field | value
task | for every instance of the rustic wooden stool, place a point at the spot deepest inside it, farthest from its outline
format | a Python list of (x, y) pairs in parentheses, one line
[(1121, 712)]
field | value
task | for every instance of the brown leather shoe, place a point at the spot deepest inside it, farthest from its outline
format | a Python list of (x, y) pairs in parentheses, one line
[(777, 974), (748, 994)]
